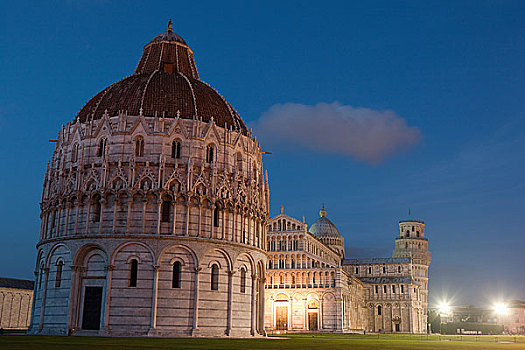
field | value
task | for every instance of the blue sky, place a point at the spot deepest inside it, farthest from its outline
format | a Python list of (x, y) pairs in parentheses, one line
[(452, 70)]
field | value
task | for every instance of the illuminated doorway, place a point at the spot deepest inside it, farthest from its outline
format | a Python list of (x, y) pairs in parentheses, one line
[(281, 317)]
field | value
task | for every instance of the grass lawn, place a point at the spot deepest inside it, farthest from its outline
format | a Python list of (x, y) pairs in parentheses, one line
[(296, 341)]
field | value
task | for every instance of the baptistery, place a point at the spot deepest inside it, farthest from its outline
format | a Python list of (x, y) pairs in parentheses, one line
[(154, 210)]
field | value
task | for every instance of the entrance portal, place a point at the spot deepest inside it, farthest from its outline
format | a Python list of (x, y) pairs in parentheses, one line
[(397, 327), (281, 317), (312, 321), (92, 305)]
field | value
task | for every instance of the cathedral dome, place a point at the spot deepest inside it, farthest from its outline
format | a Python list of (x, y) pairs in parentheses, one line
[(323, 227), (165, 83)]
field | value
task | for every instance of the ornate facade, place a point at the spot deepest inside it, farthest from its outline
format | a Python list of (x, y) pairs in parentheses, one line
[(153, 211), (310, 286)]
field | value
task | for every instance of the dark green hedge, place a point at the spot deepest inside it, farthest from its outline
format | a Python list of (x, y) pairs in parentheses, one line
[(485, 328)]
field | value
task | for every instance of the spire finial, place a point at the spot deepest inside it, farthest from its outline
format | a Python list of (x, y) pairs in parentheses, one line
[(170, 26), (322, 213), (282, 209)]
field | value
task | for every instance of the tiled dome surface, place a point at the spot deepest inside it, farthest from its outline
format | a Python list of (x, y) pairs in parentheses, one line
[(165, 83)]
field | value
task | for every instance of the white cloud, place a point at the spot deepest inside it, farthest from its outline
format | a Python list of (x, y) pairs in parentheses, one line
[(362, 133)]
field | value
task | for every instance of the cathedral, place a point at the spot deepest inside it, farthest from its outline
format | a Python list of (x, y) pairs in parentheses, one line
[(311, 286), (155, 222)]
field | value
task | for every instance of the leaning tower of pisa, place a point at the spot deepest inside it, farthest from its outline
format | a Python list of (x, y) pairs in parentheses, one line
[(413, 243)]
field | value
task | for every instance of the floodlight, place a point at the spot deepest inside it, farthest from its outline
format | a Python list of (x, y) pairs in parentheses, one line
[(444, 308), (501, 308)]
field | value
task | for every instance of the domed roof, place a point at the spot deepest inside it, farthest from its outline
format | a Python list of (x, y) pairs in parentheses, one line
[(165, 83), (323, 227)]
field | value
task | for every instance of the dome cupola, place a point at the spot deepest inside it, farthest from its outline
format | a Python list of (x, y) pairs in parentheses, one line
[(323, 227), (165, 83), (325, 230)]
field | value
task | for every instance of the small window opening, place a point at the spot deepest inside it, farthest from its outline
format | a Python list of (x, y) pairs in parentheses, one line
[(214, 277), (177, 272), (165, 210), (96, 210), (210, 150), (139, 147), (133, 272), (175, 149), (58, 279), (102, 147), (243, 281)]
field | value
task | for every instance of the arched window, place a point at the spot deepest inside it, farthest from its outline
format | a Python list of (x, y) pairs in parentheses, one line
[(216, 216), (210, 150), (369, 270), (402, 289), (417, 234), (379, 310), (239, 161), (40, 274), (177, 272), (101, 147), (175, 149), (356, 270), (399, 269), (58, 279), (270, 264), (384, 269), (293, 279), (384, 289), (74, 153), (133, 272), (165, 210), (214, 277), (243, 236), (243, 281), (96, 209), (139, 146), (377, 289)]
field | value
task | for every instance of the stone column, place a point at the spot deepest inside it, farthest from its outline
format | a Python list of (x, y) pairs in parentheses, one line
[(144, 207), (212, 212), (153, 323), (74, 308), (230, 302), (59, 213), (128, 220), (234, 225), (409, 311), (35, 290), (109, 280), (223, 228), (159, 209), (115, 210), (249, 238), (195, 326), (188, 210), (305, 308), (199, 222), (253, 329), (66, 226), (321, 301), (261, 301), (103, 204), (174, 216), (44, 296), (88, 216)]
